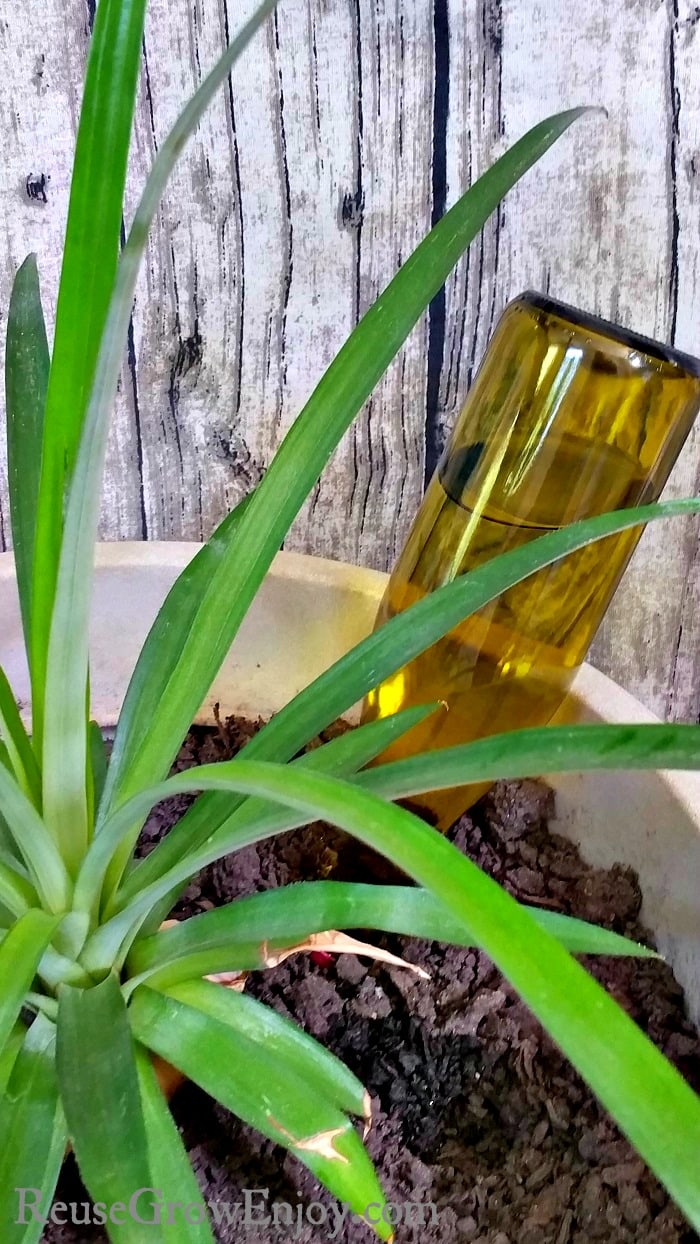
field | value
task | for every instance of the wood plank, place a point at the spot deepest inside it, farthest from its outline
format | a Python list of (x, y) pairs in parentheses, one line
[(682, 691), (475, 135), (373, 486), (593, 224), (42, 61)]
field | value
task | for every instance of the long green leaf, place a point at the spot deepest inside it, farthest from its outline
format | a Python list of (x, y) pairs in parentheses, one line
[(34, 844), (551, 749), (651, 1102), (341, 756), (100, 1093), (5, 762), (258, 1086), (143, 755), (17, 894), (519, 754), (20, 952), (8, 1054), (170, 1165), (26, 380), (97, 766), (240, 935), (375, 658), (34, 1138), (175, 619), (17, 742), (87, 276), (8, 847), (66, 675), (288, 1044)]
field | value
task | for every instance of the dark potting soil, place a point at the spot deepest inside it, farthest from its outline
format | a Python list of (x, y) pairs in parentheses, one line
[(476, 1113)]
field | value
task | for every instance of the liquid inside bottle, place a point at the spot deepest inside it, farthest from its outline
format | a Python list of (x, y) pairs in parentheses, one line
[(511, 664)]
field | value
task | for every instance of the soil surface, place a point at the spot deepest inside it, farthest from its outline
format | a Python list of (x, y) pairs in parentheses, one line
[(476, 1112)]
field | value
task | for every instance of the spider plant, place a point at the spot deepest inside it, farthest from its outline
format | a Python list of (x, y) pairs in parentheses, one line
[(91, 984)]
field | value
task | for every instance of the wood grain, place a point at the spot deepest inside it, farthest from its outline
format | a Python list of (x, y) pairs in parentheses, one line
[(351, 125)]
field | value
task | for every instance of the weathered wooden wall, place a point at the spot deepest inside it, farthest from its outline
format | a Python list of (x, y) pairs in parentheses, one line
[(352, 124)]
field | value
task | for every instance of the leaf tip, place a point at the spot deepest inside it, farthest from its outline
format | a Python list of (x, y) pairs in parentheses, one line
[(366, 1114), (592, 110)]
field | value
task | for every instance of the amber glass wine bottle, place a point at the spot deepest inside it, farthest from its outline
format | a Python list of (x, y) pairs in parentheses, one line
[(568, 416)]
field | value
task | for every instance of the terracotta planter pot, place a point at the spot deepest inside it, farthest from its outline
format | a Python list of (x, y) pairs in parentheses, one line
[(308, 612)]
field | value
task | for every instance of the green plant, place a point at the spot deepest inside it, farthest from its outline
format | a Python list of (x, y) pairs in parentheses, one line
[(81, 949)]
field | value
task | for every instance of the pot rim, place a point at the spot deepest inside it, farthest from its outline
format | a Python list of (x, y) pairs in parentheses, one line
[(596, 693)]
